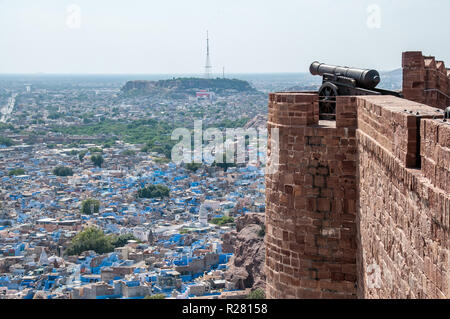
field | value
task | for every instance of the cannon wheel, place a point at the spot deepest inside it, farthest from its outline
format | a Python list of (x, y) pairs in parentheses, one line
[(327, 101)]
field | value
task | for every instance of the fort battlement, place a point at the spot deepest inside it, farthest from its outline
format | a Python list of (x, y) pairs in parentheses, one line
[(425, 79), (358, 207)]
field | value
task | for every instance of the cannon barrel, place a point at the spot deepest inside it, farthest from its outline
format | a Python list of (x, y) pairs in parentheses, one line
[(364, 78)]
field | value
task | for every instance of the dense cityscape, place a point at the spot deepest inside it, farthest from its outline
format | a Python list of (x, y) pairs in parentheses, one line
[(158, 246), (80, 164), (92, 206)]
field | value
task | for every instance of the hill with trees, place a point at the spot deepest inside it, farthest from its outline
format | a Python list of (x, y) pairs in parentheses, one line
[(187, 86)]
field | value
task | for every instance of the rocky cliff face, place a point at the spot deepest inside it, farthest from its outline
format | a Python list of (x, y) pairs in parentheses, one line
[(246, 267), (138, 86), (258, 122)]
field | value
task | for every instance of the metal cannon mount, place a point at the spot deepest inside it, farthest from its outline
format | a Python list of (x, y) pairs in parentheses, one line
[(344, 81)]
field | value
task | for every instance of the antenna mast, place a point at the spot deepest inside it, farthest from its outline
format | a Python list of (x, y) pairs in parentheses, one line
[(208, 66)]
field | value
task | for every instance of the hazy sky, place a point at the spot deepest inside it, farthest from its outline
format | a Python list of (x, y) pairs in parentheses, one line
[(247, 36)]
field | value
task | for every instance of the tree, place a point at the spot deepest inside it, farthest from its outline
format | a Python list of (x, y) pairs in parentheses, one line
[(222, 220), (16, 172), (262, 231), (6, 141), (154, 191), (90, 206), (155, 133), (62, 171), (122, 240), (81, 155), (95, 150), (97, 160), (193, 166), (108, 144), (257, 294), (91, 238), (128, 153), (224, 165)]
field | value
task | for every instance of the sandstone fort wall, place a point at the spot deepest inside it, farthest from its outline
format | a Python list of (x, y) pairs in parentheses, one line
[(425, 79), (365, 194)]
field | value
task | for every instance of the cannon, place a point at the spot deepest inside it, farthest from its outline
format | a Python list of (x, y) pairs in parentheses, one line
[(341, 81)]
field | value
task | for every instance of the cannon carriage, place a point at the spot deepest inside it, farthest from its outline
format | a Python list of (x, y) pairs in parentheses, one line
[(344, 81)]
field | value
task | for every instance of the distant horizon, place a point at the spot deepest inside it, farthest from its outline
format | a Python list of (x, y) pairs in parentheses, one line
[(170, 74), (250, 37)]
